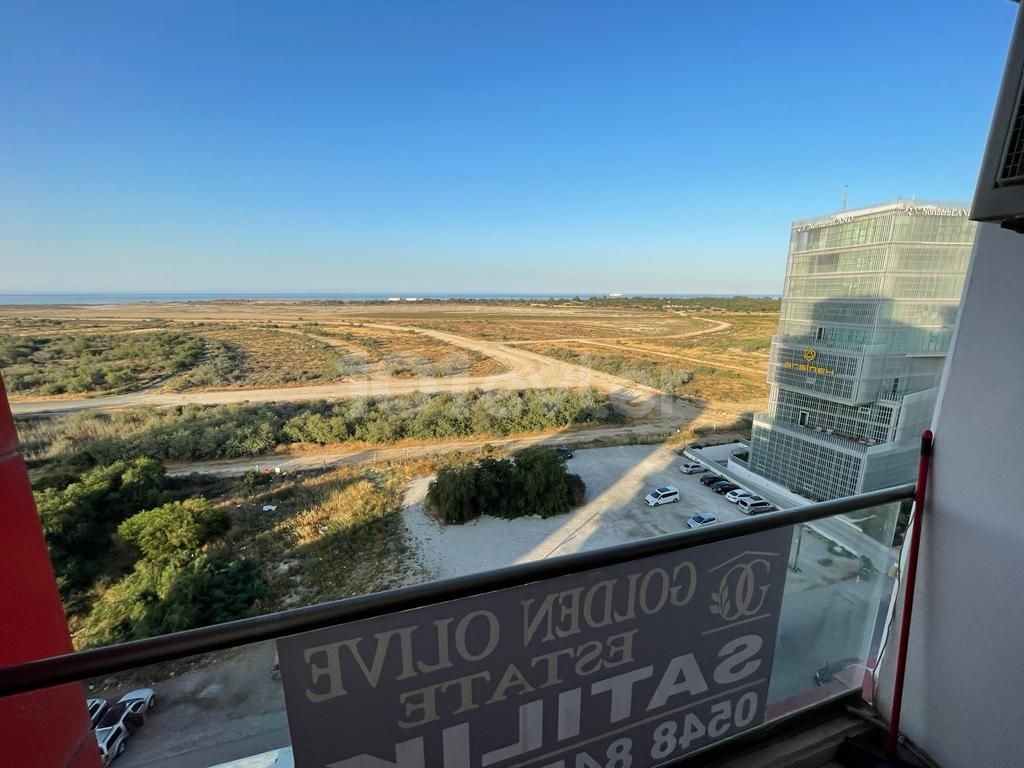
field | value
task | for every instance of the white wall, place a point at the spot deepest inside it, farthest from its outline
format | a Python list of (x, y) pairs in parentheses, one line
[(964, 700)]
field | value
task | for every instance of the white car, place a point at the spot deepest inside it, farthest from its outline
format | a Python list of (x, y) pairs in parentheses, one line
[(699, 521), (665, 495), (140, 700), (111, 741), (738, 494), (692, 468)]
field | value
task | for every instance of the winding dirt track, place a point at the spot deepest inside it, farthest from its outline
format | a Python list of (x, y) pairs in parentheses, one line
[(526, 370), (649, 411)]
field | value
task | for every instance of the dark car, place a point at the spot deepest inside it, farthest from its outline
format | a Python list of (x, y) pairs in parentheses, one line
[(565, 453), (710, 479), (827, 673), (724, 487), (123, 713)]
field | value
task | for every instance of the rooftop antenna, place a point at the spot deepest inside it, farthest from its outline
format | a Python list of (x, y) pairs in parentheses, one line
[(845, 187)]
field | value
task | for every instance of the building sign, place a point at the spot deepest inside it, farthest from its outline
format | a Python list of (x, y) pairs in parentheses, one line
[(907, 208), (622, 667), (810, 354), (809, 368)]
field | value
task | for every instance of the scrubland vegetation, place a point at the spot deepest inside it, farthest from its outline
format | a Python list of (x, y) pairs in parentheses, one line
[(94, 362), (137, 555), (198, 432)]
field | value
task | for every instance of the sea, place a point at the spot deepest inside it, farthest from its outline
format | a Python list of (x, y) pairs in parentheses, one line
[(31, 297)]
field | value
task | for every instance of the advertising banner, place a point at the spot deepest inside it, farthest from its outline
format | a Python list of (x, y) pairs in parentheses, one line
[(620, 667)]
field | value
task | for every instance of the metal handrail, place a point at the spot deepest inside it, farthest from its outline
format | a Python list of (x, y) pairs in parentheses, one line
[(81, 665)]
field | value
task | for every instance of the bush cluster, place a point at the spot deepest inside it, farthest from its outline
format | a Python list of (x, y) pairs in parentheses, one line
[(534, 482), (122, 513), (666, 378), (101, 362), (221, 365), (158, 597), (198, 433), (79, 519)]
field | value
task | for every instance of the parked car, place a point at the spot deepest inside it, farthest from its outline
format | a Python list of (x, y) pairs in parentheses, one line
[(111, 741), (699, 521), (692, 468), (140, 700), (129, 714), (711, 479), (739, 493), (96, 709), (827, 673), (724, 488), (754, 505), (666, 495), (562, 451)]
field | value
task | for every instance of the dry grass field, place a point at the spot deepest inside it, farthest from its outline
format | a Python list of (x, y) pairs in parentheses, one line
[(375, 350), (709, 355)]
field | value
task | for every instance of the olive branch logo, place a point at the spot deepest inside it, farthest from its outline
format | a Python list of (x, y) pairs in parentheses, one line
[(720, 603)]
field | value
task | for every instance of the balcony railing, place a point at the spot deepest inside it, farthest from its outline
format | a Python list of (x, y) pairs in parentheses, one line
[(815, 636), (849, 442), (822, 344)]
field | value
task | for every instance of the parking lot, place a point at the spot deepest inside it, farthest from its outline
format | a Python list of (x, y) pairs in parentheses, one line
[(617, 480)]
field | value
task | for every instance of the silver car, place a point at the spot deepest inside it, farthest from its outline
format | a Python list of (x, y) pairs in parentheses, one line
[(97, 708), (140, 700), (111, 740)]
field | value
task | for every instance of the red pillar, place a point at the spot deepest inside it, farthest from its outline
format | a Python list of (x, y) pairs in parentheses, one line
[(48, 728)]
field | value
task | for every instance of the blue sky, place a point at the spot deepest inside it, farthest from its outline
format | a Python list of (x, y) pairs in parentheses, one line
[(526, 146)]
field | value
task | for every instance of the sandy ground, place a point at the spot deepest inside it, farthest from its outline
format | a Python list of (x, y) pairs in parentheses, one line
[(617, 480)]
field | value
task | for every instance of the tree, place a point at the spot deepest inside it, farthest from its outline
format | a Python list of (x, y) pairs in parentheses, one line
[(175, 532), (79, 519), (534, 483), (158, 598), (452, 495)]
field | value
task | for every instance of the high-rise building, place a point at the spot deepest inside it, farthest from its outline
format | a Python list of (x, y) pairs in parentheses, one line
[(868, 310)]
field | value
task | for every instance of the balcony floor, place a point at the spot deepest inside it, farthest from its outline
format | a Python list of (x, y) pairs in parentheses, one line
[(800, 745)]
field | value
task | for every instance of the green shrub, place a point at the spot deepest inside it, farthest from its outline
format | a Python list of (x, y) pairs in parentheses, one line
[(157, 598), (174, 532), (452, 495), (79, 520), (97, 362), (653, 374), (535, 482), (576, 490), (200, 433)]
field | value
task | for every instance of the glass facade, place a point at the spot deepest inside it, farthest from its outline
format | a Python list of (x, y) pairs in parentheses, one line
[(868, 311)]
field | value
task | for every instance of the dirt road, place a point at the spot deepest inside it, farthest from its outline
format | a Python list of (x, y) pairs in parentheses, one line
[(300, 462), (526, 370)]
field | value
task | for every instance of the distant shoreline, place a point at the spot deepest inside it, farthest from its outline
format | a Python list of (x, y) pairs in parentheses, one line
[(28, 298)]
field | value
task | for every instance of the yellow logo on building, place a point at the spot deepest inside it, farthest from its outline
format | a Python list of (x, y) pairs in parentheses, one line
[(809, 354)]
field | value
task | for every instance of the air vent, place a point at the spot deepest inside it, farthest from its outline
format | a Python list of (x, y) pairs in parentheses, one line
[(1000, 193), (1012, 170)]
